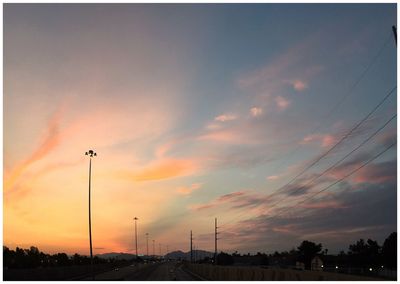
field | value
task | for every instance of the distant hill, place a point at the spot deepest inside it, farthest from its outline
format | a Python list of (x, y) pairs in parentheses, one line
[(199, 254), (117, 255)]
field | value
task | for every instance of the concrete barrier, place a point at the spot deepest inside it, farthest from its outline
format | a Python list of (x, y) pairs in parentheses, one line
[(231, 273)]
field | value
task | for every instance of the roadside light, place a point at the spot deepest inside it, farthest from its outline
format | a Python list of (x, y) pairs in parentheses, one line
[(370, 269), (337, 267), (382, 266), (322, 266)]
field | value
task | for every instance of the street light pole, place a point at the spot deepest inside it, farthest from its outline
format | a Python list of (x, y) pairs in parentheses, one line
[(154, 248), (147, 244), (91, 154), (136, 236)]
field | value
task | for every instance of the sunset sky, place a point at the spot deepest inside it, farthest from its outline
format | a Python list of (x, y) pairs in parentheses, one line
[(196, 112)]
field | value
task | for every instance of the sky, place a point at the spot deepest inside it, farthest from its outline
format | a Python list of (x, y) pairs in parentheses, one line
[(196, 112)]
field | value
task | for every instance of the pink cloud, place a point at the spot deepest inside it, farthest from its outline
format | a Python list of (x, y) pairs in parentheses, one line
[(299, 85), (218, 201), (256, 111), (230, 196), (225, 117), (232, 136), (323, 204), (272, 177), (376, 173), (163, 169), (325, 140), (287, 229), (49, 142), (213, 126), (282, 102), (252, 202), (189, 189)]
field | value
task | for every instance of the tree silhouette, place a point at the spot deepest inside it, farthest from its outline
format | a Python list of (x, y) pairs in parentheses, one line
[(224, 259), (365, 253), (307, 251), (389, 251)]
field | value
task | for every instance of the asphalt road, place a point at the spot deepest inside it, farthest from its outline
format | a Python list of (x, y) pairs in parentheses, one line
[(165, 271)]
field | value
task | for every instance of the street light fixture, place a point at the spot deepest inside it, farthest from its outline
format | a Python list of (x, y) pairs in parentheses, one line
[(136, 236), (91, 154)]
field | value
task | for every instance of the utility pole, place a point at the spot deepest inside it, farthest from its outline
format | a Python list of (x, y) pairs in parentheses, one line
[(154, 250), (395, 33), (147, 244), (191, 246), (216, 242), (159, 247), (136, 236)]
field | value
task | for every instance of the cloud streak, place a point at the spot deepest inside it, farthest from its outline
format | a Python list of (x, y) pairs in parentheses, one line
[(50, 141)]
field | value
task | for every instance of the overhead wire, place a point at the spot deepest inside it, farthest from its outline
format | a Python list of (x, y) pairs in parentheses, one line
[(330, 149), (341, 101)]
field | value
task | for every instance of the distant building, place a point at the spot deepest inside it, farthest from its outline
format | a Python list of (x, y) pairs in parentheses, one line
[(317, 264)]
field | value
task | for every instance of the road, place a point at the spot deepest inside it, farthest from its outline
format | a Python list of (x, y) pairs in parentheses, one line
[(165, 271)]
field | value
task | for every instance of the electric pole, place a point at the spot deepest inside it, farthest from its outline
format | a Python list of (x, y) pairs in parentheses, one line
[(159, 247), (154, 248), (135, 219), (216, 242), (191, 246), (395, 33), (147, 244)]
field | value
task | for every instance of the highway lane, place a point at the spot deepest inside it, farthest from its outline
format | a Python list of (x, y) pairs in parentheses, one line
[(118, 273), (164, 271)]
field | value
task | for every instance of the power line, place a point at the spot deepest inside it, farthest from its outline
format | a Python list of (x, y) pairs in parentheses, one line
[(329, 150), (346, 176), (342, 139), (350, 90), (346, 156), (336, 182)]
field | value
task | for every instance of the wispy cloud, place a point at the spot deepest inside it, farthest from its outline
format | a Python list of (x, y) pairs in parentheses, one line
[(256, 111), (282, 103), (186, 190), (299, 85), (165, 169), (325, 140), (272, 177), (326, 219), (50, 140), (225, 117), (236, 200)]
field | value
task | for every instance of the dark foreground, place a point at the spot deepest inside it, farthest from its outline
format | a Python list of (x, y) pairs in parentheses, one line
[(178, 271), (164, 271)]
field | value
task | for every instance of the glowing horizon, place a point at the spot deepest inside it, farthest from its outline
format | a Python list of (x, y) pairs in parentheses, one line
[(196, 111)]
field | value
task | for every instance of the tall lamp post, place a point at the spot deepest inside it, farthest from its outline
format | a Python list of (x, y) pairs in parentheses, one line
[(91, 154), (147, 244), (154, 248), (136, 236)]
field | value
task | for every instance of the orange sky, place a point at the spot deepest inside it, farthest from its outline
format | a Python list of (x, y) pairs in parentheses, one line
[(194, 113)]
